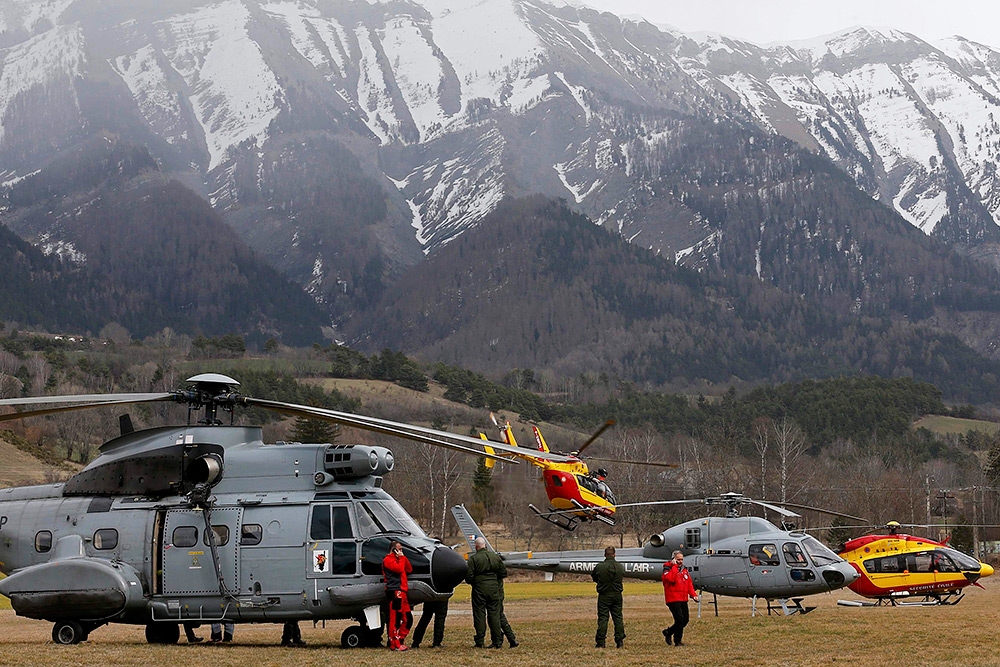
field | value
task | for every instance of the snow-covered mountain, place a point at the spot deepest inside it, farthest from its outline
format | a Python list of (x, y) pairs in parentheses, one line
[(343, 137), (917, 125)]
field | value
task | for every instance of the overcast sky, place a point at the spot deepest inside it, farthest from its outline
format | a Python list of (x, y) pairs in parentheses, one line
[(764, 21)]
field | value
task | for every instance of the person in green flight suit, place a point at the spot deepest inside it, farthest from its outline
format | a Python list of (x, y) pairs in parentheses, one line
[(486, 569), (608, 575), (505, 629)]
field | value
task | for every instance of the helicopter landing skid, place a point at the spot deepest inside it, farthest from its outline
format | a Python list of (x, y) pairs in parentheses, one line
[(563, 521), (788, 607)]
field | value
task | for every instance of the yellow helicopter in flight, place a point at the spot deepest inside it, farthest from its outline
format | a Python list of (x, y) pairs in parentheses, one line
[(575, 492)]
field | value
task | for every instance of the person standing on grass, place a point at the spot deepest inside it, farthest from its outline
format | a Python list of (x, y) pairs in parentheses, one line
[(505, 629), (677, 588), (608, 575), (438, 610), (486, 569), (395, 567)]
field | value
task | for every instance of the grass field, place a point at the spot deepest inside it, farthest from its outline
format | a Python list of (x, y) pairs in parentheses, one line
[(954, 425), (555, 628)]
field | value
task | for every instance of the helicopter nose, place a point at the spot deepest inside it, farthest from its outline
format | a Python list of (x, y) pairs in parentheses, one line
[(447, 569), (985, 570), (840, 575)]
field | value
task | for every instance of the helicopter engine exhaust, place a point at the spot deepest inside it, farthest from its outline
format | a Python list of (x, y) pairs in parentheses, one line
[(657, 540), (205, 469)]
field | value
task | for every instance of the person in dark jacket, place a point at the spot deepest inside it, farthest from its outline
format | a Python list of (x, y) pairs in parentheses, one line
[(608, 575), (486, 569), (677, 588), (395, 567), (438, 610)]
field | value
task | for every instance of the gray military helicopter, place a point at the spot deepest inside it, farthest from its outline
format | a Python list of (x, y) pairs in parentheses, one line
[(740, 556), (205, 522)]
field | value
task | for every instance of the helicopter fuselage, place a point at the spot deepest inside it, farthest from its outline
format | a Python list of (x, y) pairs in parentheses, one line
[(299, 531), (741, 557)]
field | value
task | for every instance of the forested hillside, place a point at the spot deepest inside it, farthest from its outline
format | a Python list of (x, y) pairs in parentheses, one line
[(538, 286)]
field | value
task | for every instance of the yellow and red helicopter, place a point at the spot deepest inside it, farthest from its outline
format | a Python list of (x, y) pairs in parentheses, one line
[(896, 567), (575, 492)]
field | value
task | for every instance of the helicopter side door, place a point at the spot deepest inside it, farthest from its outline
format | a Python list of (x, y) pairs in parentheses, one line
[(332, 548), (187, 556), (766, 570)]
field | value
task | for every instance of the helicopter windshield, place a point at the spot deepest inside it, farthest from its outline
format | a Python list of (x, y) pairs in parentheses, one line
[(820, 554), (385, 516), (964, 561)]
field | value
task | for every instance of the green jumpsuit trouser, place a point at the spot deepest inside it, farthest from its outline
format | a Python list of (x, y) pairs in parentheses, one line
[(486, 611), (609, 604)]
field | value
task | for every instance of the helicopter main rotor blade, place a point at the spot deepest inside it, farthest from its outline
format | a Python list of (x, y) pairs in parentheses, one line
[(774, 508), (659, 464), (608, 424), (819, 509), (88, 401), (428, 436)]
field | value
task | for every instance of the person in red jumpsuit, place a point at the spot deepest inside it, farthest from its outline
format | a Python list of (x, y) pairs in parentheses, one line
[(395, 567), (677, 588)]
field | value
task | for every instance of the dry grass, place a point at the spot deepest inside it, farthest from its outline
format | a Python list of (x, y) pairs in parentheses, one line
[(559, 631), (954, 425)]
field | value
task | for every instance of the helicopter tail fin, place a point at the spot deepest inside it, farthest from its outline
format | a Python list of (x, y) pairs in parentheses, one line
[(490, 462), (468, 527), (539, 440)]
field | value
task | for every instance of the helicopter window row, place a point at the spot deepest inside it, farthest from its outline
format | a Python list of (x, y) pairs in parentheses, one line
[(184, 536), (764, 554), (925, 561), (43, 541), (251, 534), (322, 528), (106, 538), (793, 555), (221, 536)]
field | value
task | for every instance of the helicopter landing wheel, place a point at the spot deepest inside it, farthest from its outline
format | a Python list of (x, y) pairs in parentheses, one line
[(68, 632), (163, 633), (353, 637)]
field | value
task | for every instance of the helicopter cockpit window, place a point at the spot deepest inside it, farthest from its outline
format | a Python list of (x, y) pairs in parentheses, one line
[(106, 538), (342, 523), (319, 527), (389, 517), (820, 554), (184, 536), (942, 563), (251, 534), (764, 554), (43, 541), (793, 555), (964, 561), (221, 536)]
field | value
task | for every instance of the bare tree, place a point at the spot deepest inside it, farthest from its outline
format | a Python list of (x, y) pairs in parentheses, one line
[(789, 446), (762, 429)]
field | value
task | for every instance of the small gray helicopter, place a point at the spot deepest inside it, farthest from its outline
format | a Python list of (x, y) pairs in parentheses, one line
[(739, 556), (204, 522)]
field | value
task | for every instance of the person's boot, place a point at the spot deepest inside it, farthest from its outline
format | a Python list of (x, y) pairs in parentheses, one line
[(677, 637), (668, 634)]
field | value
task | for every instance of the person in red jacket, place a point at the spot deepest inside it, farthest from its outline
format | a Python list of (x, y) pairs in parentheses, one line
[(395, 567), (677, 588)]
